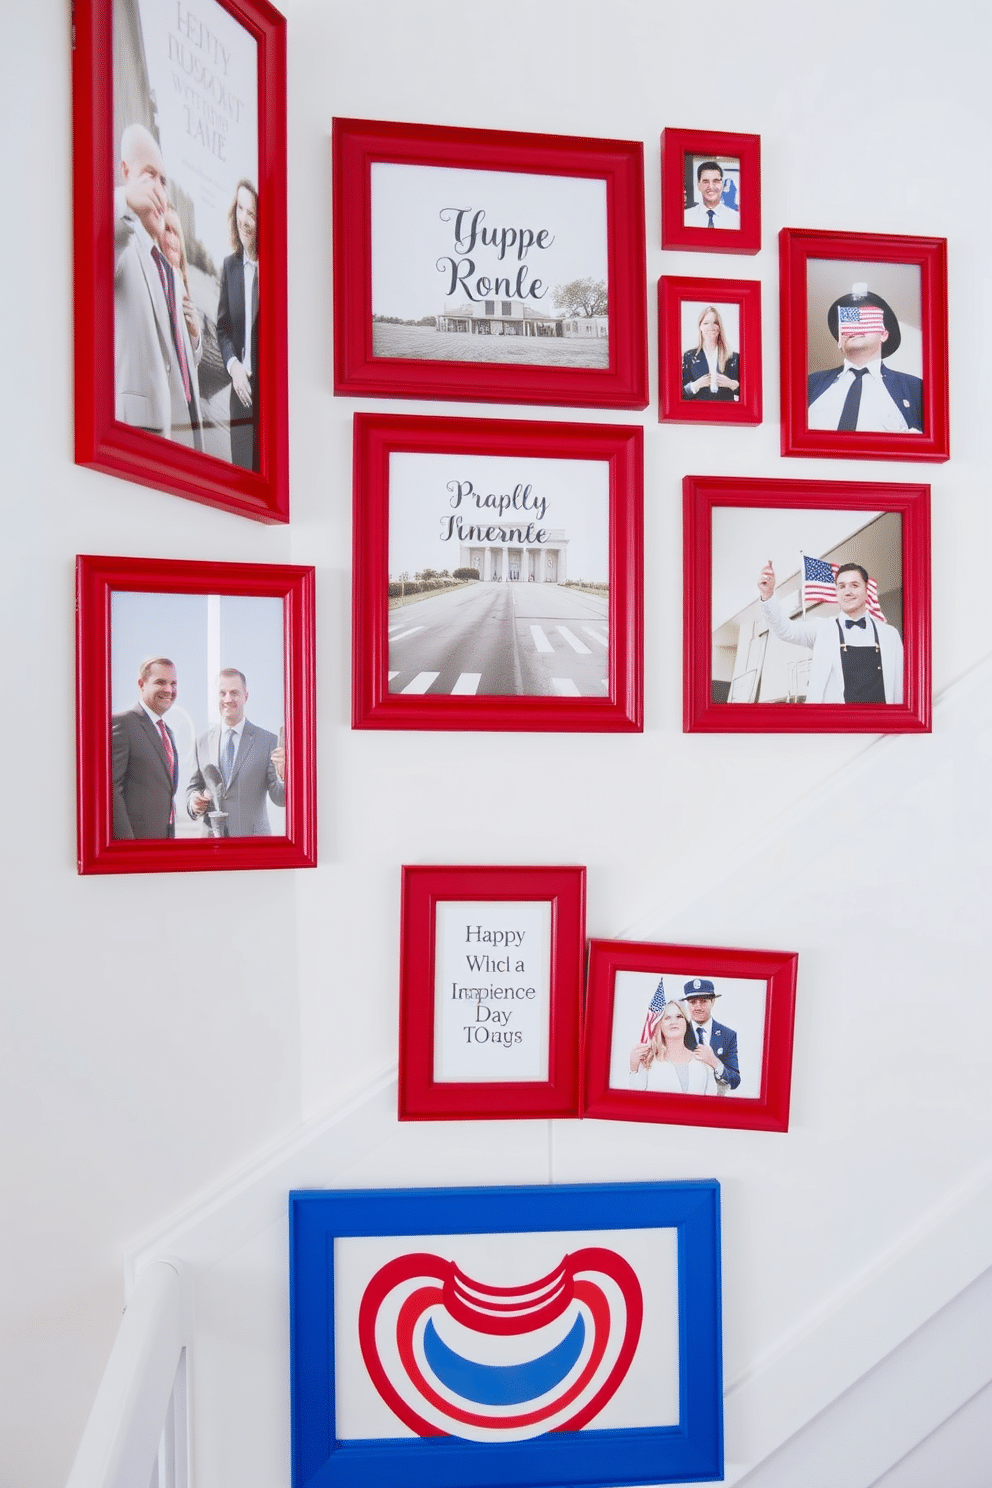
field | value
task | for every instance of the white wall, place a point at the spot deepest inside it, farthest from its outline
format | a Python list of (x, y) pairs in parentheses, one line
[(133, 1085)]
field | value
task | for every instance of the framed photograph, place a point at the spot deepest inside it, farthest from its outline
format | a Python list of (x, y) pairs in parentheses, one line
[(179, 203), (864, 346), (498, 575), (709, 350), (489, 266), (194, 716), (710, 191), (688, 1035), (803, 593), (539, 1336), (490, 992)]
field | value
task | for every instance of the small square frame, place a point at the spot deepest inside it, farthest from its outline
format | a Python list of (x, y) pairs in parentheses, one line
[(746, 294), (360, 143), (797, 247), (97, 579), (691, 1451), (376, 436), (101, 441), (700, 494), (421, 1096), (676, 146), (768, 1112)]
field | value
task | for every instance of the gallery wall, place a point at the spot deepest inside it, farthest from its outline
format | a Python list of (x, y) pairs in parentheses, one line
[(162, 1031)]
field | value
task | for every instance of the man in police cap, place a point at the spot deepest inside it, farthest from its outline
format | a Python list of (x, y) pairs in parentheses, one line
[(864, 394), (715, 1044)]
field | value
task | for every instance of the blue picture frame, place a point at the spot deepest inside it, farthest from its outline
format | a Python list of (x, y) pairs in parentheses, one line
[(689, 1451)]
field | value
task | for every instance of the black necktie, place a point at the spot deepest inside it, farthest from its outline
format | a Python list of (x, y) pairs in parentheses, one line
[(862, 624), (709, 213), (852, 403)]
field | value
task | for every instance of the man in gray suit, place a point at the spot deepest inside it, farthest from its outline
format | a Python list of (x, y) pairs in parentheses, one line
[(237, 766), (155, 380), (145, 757)]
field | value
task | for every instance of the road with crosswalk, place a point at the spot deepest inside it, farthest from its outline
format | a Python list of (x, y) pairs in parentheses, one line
[(502, 640)]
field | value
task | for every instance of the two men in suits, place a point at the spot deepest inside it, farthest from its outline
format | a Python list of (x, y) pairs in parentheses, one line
[(155, 380), (237, 325), (145, 760), (864, 394), (238, 767)]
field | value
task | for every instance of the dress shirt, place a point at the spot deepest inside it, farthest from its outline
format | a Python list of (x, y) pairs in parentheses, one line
[(707, 1028), (237, 729), (723, 216), (878, 413)]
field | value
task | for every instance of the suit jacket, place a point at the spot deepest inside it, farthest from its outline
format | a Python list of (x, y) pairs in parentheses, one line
[(148, 381), (143, 784), (826, 674), (723, 1042), (252, 779), (231, 340), (694, 365), (905, 390)]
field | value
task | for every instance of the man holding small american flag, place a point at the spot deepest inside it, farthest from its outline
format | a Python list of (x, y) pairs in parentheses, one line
[(864, 394)]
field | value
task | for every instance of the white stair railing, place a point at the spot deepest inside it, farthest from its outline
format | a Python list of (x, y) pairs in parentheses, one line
[(137, 1431)]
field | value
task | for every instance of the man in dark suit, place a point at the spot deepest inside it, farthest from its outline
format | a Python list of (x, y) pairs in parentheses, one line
[(715, 1044), (145, 757), (238, 765), (864, 394), (237, 325)]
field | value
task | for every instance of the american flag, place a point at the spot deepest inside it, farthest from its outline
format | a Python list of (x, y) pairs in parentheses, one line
[(819, 586), (858, 320), (654, 1012)]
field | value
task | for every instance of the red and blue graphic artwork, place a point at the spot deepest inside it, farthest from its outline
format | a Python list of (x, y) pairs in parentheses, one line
[(453, 1356)]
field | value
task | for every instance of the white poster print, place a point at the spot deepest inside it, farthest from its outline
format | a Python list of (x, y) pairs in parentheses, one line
[(492, 991)]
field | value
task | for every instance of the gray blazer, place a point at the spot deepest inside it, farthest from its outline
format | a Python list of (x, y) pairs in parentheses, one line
[(143, 785), (252, 779)]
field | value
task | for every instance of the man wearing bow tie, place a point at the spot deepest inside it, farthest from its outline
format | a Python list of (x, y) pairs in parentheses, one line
[(856, 658)]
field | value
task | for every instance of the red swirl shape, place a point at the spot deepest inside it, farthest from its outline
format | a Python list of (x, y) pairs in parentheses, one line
[(501, 1311)]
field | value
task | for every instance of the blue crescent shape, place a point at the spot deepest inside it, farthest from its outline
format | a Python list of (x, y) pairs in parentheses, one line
[(503, 1384)]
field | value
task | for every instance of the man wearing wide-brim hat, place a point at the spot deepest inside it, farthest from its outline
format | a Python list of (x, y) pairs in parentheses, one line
[(715, 1044), (864, 394)]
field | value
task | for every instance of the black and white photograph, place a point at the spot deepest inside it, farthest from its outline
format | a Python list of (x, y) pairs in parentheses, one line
[(198, 726), (864, 347), (499, 571), (711, 352), (489, 266), (687, 1032), (712, 192), (186, 226), (807, 606)]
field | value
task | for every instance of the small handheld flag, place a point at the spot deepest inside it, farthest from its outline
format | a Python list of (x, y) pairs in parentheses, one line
[(654, 1012)]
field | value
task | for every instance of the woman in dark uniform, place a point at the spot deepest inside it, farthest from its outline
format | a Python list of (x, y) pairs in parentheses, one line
[(711, 370)]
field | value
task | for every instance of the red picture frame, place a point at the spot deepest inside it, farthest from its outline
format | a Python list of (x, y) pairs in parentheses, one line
[(104, 441), (744, 296), (362, 146), (679, 149), (760, 1101), (920, 310), (102, 677), (432, 1051), (832, 512), (596, 659)]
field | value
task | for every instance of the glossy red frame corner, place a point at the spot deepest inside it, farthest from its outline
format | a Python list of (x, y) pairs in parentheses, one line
[(746, 293), (420, 1096), (797, 246), (101, 442), (359, 143), (376, 436), (97, 579), (700, 494), (768, 1112), (676, 144)]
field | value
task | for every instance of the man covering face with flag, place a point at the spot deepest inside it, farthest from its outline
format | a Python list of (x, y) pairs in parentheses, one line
[(865, 395)]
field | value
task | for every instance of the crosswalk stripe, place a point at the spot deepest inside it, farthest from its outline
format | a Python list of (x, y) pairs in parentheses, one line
[(541, 641), (595, 635), (574, 641), (421, 682), (467, 684), (397, 635), (565, 687)]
